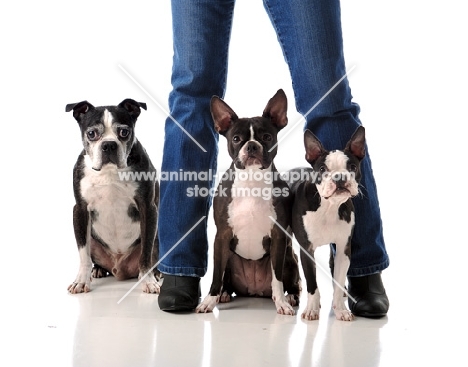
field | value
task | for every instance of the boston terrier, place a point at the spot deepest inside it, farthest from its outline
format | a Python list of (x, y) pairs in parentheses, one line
[(252, 206), (323, 213), (115, 216)]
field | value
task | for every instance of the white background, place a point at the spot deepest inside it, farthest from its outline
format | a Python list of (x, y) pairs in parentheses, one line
[(410, 81)]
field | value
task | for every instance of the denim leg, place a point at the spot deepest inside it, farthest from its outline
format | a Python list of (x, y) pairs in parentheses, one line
[(201, 34), (310, 35)]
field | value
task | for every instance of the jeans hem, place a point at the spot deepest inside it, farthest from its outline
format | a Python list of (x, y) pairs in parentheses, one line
[(368, 270), (182, 271)]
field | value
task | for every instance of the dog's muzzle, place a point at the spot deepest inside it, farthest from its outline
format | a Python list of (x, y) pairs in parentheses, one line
[(341, 187), (251, 154), (109, 152)]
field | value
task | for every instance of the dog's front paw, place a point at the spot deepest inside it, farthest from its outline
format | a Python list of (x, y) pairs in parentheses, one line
[(312, 310), (225, 297), (343, 315), (150, 283), (292, 299), (341, 312), (79, 287), (82, 283), (283, 307), (151, 287), (207, 305), (310, 314), (98, 272)]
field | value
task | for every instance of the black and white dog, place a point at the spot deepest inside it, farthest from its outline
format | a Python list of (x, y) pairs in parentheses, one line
[(252, 254), (323, 213), (115, 219)]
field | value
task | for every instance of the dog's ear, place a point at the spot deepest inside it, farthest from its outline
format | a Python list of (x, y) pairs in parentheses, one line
[(277, 109), (357, 144), (79, 109), (132, 107), (313, 147), (223, 115)]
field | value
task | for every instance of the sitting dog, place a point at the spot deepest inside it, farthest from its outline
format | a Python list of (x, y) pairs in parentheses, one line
[(252, 208), (323, 213), (115, 219)]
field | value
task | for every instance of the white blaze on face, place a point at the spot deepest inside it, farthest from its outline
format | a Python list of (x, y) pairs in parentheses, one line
[(243, 155), (109, 133)]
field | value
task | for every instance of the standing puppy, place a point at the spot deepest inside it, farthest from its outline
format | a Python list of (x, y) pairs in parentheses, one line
[(252, 254), (323, 213), (115, 216)]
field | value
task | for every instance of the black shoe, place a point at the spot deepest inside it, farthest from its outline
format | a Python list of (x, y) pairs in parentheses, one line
[(179, 293), (370, 296)]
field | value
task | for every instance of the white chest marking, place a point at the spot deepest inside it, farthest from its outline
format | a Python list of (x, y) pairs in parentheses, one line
[(324, 226), (110, 198), (249, 213)]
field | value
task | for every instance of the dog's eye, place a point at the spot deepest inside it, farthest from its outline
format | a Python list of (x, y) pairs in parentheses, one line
[(124, 133), (323, 168), (92, 135), (266, 137), (353, 168), (236, 139)]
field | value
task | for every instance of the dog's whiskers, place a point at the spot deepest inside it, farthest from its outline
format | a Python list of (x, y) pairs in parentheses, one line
[(360, 192)]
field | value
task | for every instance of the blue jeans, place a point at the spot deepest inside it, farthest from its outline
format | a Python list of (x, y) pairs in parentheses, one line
[(310, 35)]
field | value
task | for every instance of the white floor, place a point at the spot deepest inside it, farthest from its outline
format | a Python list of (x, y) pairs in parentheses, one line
[(44, 325)]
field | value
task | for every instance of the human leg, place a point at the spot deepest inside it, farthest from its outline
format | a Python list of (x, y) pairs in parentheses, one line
[(201, 33), (310, 35)]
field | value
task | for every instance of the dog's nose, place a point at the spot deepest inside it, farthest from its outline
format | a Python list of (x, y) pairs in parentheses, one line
[(340, 182), (108, 146), (252, 147)]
